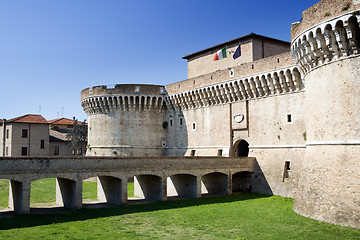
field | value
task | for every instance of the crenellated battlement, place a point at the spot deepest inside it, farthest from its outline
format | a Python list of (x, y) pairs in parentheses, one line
[(327, 41), (321, 12), (271, 83), (123, 97)]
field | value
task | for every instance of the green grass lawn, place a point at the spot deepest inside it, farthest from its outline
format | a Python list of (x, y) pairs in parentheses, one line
[(244, 216), (43, 191)]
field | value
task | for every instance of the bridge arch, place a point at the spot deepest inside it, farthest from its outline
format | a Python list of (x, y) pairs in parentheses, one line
[(215, 183), (241, 182), (182, 185), (148, 187)]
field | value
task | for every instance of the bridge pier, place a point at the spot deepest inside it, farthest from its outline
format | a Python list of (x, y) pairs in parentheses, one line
[(109, 190), (19, 196), (198, 186), (69, 193), (164, 189), (124, 191)]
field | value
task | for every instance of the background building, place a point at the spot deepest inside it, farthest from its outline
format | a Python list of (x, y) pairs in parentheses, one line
[(26, 135)]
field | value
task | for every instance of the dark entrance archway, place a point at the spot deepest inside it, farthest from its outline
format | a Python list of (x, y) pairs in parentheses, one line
[(241, 148)]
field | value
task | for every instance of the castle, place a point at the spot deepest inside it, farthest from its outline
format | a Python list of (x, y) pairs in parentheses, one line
[(294, 106)]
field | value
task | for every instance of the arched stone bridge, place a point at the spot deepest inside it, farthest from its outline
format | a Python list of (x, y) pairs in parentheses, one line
[(157, 177)]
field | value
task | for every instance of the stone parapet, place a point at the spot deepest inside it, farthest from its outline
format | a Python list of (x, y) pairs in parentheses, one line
[(246, 69), (328, 41), (123, 97), (321, 12), (275, 82)]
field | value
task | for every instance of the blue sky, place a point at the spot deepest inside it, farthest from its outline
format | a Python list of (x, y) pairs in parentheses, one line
[(52, 49)]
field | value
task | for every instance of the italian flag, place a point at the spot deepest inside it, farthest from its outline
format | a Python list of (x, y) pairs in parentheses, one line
[(220, 54)]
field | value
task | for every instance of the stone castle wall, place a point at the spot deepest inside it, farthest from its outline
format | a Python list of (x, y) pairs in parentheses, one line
[(126, 120), (328, 55), (298, 112)]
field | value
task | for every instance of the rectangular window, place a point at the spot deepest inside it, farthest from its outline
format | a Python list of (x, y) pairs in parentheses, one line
[(79, 151), (24, 151), (219, 152), (42, 144), (192, 153), (7, 133), (193, 126), (56, 150), (181, 122), (289, 120), (170, 122), (286, 170), (7, 151), (24, 133)]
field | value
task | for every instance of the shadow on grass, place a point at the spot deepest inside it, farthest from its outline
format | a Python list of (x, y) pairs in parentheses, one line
[(32, 220)]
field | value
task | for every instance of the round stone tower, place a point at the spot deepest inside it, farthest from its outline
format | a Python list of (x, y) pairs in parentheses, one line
[(125, 120), (326, 47)]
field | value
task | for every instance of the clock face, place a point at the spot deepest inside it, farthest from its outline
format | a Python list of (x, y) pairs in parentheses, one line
[(239, 118)]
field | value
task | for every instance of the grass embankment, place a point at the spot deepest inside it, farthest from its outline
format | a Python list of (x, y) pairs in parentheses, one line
[(245, 216)]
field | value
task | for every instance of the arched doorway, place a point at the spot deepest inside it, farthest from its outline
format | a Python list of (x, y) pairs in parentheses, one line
[(241, 148)]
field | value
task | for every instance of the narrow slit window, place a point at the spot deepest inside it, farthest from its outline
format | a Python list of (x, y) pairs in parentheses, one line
[(193, 152), (42, 144), (286, 170), (181, 122), (289, 119), (193, 126)]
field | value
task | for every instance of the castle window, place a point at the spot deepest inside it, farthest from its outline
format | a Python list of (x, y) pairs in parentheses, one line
[(231, 72), (7, 133), (252, 66), (193, 126), (278, 60), (181, 122), (286, 169), (42, 144), (193, 153), (288, 118), (171, 122), (24, 133), (220, 152)]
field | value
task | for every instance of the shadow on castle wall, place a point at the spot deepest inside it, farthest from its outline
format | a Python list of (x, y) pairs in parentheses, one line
[(259, 183), (176, 133)]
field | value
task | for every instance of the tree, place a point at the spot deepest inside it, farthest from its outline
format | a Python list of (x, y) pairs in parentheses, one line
[(77, 135)]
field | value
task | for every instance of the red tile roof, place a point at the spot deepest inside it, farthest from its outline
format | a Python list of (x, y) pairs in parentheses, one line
[(28, 118), (63, 121)]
